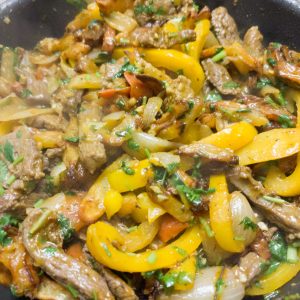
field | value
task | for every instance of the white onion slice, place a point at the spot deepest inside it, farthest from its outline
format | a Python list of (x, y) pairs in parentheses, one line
[(232, 289), (240, 209), (164, 159), (151, 109), (120, 22)]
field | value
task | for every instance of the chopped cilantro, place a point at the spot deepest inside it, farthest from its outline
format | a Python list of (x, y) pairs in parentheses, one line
[(219, 286), (102, 57), (149, 9), (271, 61), (127, 67), (120, 103), (126, 169), (26, 93), (285, 121), (262, 82), (248, 224), (50, 250), (213, 96), (160, 174), (3, 171), (5, 221), (281, 100), (172, 167), (49, 185), (8, 150), (133, 145), (65, 227), (278, 247), (231, 85), (72, 291), (72, 139), (105, 248)]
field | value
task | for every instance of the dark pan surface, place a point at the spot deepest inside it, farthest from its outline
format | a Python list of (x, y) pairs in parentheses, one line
[(32, 20)]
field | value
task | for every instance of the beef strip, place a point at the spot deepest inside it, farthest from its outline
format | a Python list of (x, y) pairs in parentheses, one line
[(91, 150), (285, 215), (84, 279), (49, 122), (253, 42), (224, 26), (210, 152), (219, 76), (156, 37), (248, 268), (271, 112)]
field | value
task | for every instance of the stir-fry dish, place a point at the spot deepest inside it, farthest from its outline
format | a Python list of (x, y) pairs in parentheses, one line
[(149, 153)]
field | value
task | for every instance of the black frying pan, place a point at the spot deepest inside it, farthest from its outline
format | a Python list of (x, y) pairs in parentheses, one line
[(32, 20)]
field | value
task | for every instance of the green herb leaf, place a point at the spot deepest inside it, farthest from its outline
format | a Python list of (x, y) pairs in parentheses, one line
[(50, 250), (3, 171), (72, 139), (133, 145), (72, 291), (5, 221), (271, 61), (126, 169), (172, 167), (206, 227), (65, 227), (285, 121), (26, 93), (248, 224), (278, 247), (262, 82), (127, 67), (160, 174), (149, 9), (231, 85), (18, 160), (8, 150), (121, 103), (219, 286)]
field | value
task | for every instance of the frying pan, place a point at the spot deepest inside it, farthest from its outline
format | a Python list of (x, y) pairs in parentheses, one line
[(32, 20)]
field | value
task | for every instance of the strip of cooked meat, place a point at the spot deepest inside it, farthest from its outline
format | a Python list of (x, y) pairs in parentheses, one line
[(50, 122), (224, 26), (54, 261), (156, 37), (285, 215), (91, 150), (210, 152), (219, 76), (253, 42)]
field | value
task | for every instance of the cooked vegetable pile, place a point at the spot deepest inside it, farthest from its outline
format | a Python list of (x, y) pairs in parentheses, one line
[(149, 153)]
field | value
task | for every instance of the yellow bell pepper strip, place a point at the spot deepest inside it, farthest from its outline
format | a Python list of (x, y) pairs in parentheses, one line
[(270, 145), (271, 282), (185, 274), (140, 237), (49, 139), (92, 205), (146, 209), (100, 238), (276, 181), (173, 60), (234, 136), (123, 182), (112, 202), (194, 49), (220, 216), (7, 127), (128, 205)]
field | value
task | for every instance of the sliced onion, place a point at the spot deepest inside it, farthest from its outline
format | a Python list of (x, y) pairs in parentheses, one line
[(120, 22), (27, 113), (204, 287), (151, 109), (41, 59), (57, 172), (240, 209), (115, 116), (153, 143), (54, 202), (233, 289), (164, 159)]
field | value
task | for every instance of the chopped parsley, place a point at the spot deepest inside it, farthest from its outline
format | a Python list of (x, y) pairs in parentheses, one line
[(127, 67), (5, 221), (126, 169), (72, 291), (262, 82), (231, 85), (72, 139), (133, 145), (105, 248), (248, 224), (65, 227), (219, 286), (8, 151), (285, 121), (213, 96), (278, 247)]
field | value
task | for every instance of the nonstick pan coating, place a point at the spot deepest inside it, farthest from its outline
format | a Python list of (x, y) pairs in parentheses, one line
[(32, 20)]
